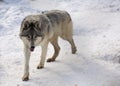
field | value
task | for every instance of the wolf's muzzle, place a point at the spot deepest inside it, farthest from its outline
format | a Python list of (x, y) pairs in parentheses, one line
[(32, 48)]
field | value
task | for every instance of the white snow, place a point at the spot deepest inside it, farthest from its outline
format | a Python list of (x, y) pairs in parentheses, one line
[(96, 35)]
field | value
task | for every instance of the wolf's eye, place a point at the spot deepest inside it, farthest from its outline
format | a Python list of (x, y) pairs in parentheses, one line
[(35, 36), (25, 29), (29, 37), (40, 35)]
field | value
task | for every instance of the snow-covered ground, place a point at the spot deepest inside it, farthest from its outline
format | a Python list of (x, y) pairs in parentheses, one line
[(96, 34)]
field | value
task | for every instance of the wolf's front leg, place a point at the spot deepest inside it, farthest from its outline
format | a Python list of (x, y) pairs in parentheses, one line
[(27, 54), (43, 56)]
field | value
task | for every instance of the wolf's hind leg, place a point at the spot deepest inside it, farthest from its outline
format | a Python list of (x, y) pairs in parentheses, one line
[(56, 50), (73, 47)]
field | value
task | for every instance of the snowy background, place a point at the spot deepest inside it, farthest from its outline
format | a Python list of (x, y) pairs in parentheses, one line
[(96, 35)]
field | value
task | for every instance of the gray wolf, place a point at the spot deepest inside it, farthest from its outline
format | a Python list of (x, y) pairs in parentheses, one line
[(42, 29)]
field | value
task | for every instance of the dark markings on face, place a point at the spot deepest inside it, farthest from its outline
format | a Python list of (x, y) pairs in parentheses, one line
[(33, 28), (31, 31)]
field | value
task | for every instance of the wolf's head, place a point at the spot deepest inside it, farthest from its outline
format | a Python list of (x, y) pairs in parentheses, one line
[(33, 32)]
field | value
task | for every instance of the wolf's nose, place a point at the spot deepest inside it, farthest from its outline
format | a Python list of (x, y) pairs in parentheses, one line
[(32, 48)]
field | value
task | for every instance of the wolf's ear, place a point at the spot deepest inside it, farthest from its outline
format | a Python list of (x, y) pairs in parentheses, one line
[(26, 25), (24, 28), (37, 24)]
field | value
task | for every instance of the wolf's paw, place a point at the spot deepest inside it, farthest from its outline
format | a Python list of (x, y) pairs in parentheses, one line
[(74, 50), (40, 67), (25, 78), (50, 60)]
